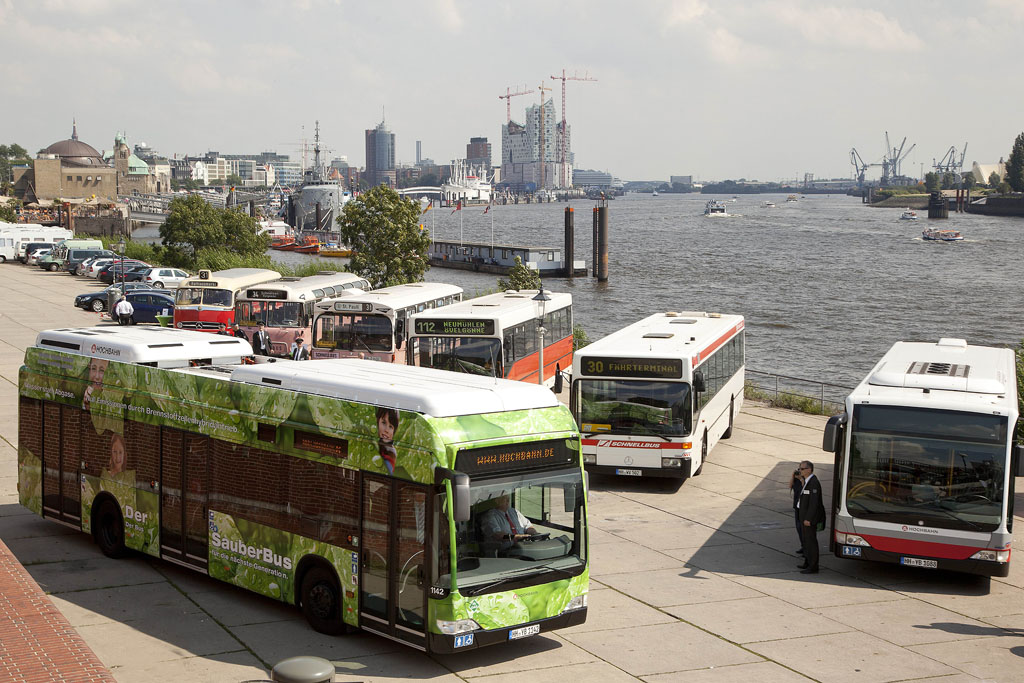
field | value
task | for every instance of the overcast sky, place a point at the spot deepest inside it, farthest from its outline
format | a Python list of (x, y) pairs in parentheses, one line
[(765, 90)]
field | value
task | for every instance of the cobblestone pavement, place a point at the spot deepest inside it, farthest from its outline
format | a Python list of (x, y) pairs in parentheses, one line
[(696, 582)]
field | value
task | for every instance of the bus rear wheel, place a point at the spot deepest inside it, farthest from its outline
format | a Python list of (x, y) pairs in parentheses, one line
[(108, 527), (321, 601)]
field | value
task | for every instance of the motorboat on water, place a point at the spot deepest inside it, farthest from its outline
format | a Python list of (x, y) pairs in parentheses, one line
[(908, 215), (936, 235), (768, 204), (334, 250), (715, 209), (791, 198), (654, 194)]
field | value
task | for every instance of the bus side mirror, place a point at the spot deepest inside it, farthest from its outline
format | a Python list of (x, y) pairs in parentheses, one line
[(1018, 454), (558, 379), (698, 381), (460, 496), (569, 496), (830, 439)]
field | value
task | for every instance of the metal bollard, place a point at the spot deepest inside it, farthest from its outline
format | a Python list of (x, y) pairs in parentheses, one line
[(303, 670)]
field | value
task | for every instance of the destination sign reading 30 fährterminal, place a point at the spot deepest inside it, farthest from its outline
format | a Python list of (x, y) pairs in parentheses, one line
[(604, 366)]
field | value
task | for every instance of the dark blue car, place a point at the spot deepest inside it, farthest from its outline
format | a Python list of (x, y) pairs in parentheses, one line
[(148, 304)]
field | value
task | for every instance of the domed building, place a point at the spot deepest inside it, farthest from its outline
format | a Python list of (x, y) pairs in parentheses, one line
[(68, 169)]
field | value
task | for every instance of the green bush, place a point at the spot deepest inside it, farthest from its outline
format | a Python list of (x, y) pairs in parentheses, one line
[(579, 337), (803, 404)]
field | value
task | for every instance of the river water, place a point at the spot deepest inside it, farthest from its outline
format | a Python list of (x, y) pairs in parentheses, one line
[(826, 284)]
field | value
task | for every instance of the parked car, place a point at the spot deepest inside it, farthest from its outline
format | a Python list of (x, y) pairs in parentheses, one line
[(30, 247), (33, 256), (160, 278), (91, 267), (73, 259), (149, 304), (113, 271), (98, 301)]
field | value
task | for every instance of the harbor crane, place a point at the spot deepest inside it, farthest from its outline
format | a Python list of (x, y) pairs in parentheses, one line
[(540, 114), (894, 157), (508, 101), (859, 167), (950, 164), (561, 150)]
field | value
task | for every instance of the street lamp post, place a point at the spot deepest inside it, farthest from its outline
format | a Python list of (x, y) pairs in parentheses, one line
[(541, 300), (120, 249)]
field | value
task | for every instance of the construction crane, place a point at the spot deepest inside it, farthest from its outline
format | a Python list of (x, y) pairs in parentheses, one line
[(543, 161), (950, 164), (859, 167), (561, 150), (508, 101), (893, 158)]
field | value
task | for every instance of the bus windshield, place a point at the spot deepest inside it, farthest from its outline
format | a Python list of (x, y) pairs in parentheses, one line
[(472, 355), (638, 407), (547, 513), (353, 332), (193, 296), (271, 313), (937, 468)]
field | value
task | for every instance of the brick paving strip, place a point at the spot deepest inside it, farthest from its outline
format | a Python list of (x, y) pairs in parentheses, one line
[(37, 644)]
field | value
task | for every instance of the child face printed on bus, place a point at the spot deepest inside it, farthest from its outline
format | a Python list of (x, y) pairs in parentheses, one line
[(387, 423), (118, 453)]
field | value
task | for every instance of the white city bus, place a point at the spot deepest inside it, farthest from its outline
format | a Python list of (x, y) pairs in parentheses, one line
[(207, 301), (496, 335), (286, 306), (375, 325), (925, 460), (653, 398)]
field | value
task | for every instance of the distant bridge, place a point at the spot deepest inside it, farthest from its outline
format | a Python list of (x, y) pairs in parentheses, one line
[(423, 190), (153, 208)]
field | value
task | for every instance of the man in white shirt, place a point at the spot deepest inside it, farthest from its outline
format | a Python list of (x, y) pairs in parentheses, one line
[(124, 311), (505, 523)]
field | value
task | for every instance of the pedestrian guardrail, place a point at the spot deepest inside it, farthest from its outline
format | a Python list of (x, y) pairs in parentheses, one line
[(805, 395)]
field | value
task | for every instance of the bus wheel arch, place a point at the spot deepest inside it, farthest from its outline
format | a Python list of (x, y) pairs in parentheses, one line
[(108, 526), (703, 454), (732, 415), (318, 593)]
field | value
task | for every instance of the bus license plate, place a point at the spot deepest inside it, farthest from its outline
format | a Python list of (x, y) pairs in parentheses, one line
[(629, 473), (917, 562), (524, 632)]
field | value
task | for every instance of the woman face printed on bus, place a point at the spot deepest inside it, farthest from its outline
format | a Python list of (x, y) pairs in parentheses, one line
[(97, 368), (117, 454)]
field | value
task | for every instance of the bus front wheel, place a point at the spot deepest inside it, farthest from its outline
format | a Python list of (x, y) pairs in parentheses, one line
[(321, 601), (703, 454), (109, 529)]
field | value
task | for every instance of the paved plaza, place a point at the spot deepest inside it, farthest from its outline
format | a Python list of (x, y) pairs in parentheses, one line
[(695, 582)]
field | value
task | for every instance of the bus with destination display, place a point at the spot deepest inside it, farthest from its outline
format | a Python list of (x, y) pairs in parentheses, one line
[(444, 511), (653, 398), (925, 462), (207, 302), (375, 326), (497, 335), (286, 306)]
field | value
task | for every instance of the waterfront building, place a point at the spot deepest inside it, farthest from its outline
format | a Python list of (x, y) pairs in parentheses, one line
[(478, 153), (680, 180), (524, 163), (380, 156), (982, 172), (588, 179), (68, 169)]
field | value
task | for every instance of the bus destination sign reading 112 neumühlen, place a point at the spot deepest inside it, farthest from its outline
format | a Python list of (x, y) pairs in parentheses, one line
[(463, 327), (654, 368)]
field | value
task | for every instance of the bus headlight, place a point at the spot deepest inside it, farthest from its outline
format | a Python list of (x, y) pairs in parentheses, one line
[(851, 539), (590, 458), (671, 462), (579, 602), (992, 555), (452, 628)]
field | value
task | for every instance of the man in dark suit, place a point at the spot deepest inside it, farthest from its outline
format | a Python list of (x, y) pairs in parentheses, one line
[(299, 350), (261, 340), (812, 513)]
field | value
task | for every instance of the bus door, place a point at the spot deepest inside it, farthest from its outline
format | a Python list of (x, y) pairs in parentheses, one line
[(393, 574), (183, 497), (62, 456), (834, 439)]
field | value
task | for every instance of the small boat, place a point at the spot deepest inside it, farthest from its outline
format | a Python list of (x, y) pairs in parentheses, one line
[(715, 209), (283, 242), (908, 215), (791, 198), (768, 204), (333, 250), (308, 249), (654, 194), (935, 235)]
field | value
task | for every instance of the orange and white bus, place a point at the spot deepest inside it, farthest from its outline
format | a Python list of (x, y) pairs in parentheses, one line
[(497, 335), (207, 302), (375, 325), (286, 306), (653, 398)]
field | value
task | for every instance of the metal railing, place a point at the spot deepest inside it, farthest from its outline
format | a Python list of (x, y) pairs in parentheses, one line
[(809, 396)]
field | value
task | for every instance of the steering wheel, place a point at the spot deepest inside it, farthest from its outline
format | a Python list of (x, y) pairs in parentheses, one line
[(537, 537), (971, 497)]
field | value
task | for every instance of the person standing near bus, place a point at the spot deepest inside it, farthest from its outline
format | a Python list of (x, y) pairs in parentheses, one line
[(299, 350), (261, 340), (812, 514), (124, 311), (796, 487)]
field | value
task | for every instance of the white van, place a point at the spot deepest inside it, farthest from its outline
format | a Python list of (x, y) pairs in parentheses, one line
[(46, 235)]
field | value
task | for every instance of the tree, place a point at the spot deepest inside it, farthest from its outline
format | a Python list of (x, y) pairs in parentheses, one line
[(1015, 165), (932, 181), (383, 230), (11, 155), (994, 179), (193, 225), (948, 180), (234, 180), (7, 213), (520, 277), (968, 180)]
